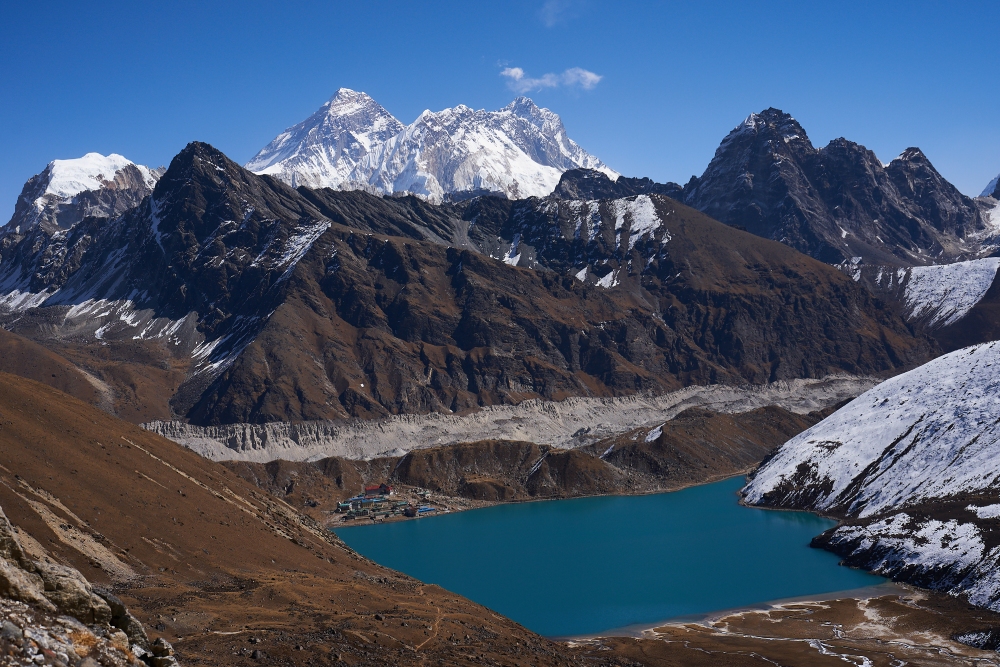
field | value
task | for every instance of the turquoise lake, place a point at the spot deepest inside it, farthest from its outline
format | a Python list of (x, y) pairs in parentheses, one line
[(575, 567)]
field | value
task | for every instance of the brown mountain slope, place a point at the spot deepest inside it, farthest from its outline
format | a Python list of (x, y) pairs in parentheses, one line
[(20, 356), (211, 562), (233, 576), (700, 444), (374, 325)]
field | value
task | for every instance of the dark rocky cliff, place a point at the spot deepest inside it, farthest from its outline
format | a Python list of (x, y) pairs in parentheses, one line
[(833, 203)]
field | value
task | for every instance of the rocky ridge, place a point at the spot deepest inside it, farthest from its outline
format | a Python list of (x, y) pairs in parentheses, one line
[(835, 202), (353, 143), (838, 203), (567, 424)]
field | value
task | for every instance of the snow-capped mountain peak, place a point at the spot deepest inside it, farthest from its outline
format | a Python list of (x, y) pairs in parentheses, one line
[(993, 189), (68, 178), (93, 185), (324, 150), (351, 142)]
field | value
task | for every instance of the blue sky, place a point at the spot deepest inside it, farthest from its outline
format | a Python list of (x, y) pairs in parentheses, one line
[(650, 88)]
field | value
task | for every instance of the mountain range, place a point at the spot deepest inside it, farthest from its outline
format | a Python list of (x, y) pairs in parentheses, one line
[(372, 305), (230, 297), (358, 268), (353, 143)]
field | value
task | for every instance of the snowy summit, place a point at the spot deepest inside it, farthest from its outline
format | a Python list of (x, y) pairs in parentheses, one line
[(93, 185), (352, 142)]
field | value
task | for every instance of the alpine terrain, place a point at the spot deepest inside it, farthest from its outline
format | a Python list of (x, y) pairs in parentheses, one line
[(352, 143), (228, 297), (899, 227)]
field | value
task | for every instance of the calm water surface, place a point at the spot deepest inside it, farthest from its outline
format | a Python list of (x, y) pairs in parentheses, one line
[(574, 567)]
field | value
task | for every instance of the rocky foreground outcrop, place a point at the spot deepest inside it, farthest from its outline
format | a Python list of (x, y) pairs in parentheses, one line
[(51, 614), (912, 468)]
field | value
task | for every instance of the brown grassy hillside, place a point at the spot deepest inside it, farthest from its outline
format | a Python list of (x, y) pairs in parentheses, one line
[(213, 564)]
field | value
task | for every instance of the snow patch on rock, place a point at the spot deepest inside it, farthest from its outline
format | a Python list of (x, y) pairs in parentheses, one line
[(640, 214), (986, 511)]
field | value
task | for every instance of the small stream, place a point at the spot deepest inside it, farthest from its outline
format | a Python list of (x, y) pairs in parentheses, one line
[(583, 566)]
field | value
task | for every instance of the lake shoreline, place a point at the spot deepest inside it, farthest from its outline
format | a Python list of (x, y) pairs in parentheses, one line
[(687, 531), (455, 504), (644, 630)]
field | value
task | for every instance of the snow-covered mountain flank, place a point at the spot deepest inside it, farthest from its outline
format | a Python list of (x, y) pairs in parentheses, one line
[(913, 465), (993, 189), (353, 143), (67, 191)]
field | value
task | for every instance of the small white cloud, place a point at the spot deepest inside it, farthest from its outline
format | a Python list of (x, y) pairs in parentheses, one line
[(577, 76), (513, 73), (519, 82)]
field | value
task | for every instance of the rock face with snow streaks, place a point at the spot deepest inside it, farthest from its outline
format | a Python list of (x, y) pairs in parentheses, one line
[(913, 465), (835, 202), (354, 143)]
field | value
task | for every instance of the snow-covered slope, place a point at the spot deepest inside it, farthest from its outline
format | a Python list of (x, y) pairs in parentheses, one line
[(354, 143), (929, 433), (942, 294), (914, 465), (66, 191), (325, 150)]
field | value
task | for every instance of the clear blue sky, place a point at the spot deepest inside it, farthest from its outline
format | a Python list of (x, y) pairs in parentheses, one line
[(143, 79)]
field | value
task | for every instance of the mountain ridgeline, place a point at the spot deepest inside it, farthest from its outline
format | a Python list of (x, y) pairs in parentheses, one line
[(353, 143), (838, 203), (227, 297)]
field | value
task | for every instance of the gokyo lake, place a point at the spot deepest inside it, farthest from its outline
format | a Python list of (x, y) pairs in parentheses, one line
[(584, 566)]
